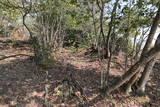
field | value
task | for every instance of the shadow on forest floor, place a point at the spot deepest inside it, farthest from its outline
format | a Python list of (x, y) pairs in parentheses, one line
[(19, 86)]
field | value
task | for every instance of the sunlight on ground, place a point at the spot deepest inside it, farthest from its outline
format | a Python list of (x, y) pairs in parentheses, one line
[(143, 99)]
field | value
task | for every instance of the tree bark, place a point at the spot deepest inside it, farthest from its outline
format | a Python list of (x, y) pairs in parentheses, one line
[(134, 69), (131, 82), (145, 76), (113, 14), (148, 43), (147, 71)]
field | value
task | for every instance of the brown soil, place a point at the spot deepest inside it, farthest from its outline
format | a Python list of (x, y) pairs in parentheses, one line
[(20, 86)]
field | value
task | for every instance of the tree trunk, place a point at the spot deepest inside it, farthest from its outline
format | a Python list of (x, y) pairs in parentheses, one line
[(131, 82), (134, 69), (149, 40), (147, 71), (145, 76), (113, 14), (148, 44)]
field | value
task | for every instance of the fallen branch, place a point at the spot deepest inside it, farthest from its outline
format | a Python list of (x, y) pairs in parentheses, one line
[(5, 57)]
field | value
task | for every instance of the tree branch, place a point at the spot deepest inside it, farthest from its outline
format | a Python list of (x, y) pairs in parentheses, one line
[(6, 57)]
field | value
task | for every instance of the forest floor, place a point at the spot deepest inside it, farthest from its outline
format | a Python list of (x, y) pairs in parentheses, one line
[(20, 86)]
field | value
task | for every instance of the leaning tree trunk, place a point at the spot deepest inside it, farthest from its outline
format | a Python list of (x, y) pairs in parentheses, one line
[(131, 82), (152, 32), (135, 68), (147, 46), (147, 71), (145, 76)]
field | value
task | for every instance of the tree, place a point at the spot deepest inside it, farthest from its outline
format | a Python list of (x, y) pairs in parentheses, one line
[(145, 50), (8, 19), (46, 28), (110, 31), (145, 58), (135, 68), (147, 71)]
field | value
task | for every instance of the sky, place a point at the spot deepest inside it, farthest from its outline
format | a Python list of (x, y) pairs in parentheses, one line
[(154, 40)]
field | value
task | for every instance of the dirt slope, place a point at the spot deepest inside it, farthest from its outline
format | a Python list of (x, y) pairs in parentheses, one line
[(20, 86)]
